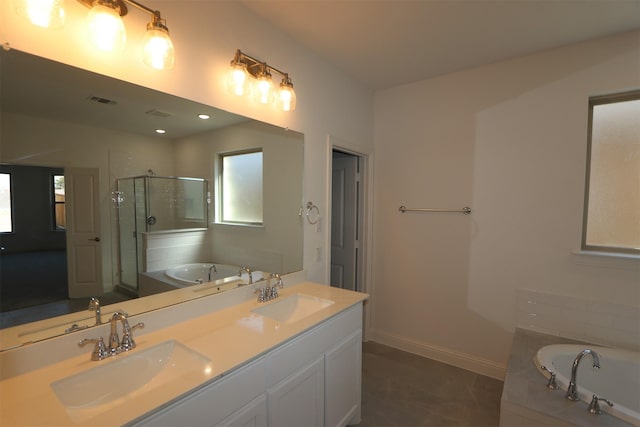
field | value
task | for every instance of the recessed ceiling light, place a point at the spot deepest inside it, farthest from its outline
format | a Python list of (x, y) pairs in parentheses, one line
[(161, 131), (204, 116)]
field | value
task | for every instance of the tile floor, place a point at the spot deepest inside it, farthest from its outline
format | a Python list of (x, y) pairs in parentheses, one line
[(401, 389)]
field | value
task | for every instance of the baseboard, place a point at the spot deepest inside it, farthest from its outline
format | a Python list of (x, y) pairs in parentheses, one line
[(441, 354)]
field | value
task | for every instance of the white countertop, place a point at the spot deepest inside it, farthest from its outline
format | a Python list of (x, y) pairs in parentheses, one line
[(229, 337)]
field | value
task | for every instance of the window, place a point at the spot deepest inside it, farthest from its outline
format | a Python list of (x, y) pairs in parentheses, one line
[(612, 197), (58, 199), (6, 220), (241, 187)]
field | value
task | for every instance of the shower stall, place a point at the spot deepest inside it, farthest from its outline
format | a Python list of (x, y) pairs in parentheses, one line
[(151, 204)]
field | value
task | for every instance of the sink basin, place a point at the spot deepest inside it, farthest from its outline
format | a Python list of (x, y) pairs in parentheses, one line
[(129, 374), (292, 308)]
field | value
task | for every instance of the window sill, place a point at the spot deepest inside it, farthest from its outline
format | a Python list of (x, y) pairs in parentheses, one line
[(607, 259), (236, 224)]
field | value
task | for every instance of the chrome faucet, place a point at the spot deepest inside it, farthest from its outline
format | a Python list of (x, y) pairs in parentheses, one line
[(248, 271), (101, 350), (572, 390), (115, 344), (269, 292), (212, 269), (273, 290), (94, 305)]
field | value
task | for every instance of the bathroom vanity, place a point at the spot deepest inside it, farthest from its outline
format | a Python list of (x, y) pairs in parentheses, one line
[(295, 360)]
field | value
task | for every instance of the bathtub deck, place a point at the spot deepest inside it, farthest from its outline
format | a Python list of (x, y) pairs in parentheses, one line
[(525, 398)]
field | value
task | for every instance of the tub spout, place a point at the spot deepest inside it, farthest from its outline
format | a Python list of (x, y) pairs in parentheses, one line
[(572, 390)]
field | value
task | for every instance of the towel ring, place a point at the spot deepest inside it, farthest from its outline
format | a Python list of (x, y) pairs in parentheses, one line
[(310, 208)]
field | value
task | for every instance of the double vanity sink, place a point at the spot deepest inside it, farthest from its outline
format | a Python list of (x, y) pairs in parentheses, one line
[(162, 364), (168, 362)]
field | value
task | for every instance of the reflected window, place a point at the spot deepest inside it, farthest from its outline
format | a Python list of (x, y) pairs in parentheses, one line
[(6, 220), (58, 205), (612, 197), (241, 187)]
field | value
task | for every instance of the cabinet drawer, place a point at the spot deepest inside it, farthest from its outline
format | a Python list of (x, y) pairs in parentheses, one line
[(303, 350), (215, 401)]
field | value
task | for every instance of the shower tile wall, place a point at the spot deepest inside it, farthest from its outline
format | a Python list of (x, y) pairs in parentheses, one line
[(168, 249), (578, 318)]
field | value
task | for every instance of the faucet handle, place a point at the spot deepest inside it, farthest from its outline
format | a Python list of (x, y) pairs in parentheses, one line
[(99, 350), (127, 342), (551, 384), (262, 294), (594, 406)]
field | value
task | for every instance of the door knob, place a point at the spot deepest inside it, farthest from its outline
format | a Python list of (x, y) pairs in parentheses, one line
[(95, 239)]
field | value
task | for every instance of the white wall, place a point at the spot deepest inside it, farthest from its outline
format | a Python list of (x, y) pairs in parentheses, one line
[(206, 35), (275, 246), (508, 140)]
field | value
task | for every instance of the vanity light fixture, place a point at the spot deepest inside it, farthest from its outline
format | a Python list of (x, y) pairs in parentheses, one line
[(157, 51), (248, 74), (42, 13), (106, 28)]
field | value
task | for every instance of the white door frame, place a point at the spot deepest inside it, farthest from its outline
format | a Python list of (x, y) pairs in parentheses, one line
[(366, 218)]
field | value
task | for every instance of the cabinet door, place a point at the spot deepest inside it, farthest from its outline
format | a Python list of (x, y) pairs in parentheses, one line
[(253, 414), (298, 400), (343, 378), (213, 403)]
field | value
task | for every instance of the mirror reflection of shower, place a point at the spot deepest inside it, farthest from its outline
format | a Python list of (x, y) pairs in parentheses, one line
[(149, 204)]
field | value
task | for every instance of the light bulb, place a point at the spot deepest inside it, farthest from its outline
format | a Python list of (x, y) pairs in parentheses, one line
[(106, 29), (286, 97), (238, 80), (263, 89), (42, 13), (157, 50)]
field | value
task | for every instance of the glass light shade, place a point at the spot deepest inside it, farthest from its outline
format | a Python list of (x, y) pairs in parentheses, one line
[(157, 49), (238, 80), (106, 29), (42, 13), (263, 91), (286, 97)]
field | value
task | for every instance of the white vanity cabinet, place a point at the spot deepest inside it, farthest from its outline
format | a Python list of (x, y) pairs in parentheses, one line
[(312, 380)]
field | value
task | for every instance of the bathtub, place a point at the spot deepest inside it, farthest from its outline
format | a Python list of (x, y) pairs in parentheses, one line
[(196, 273), (617, 380)]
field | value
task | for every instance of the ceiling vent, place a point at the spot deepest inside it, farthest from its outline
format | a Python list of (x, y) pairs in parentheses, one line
[(101, 100), (158, 113)]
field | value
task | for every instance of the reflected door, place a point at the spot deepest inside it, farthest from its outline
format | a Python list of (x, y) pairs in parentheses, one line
[(84, 251)]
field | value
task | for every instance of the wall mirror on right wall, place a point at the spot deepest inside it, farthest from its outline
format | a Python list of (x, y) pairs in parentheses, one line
[(85, 178), (612, 197)]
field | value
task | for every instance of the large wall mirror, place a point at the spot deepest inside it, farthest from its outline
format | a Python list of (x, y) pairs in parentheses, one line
[(91, 193)]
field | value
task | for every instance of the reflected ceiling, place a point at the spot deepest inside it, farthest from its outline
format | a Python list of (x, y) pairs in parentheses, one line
[(100, 101)]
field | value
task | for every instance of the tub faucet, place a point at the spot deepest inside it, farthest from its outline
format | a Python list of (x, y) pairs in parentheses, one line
[(94, 305), (248, 271), (572, 390), (212, 269)]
